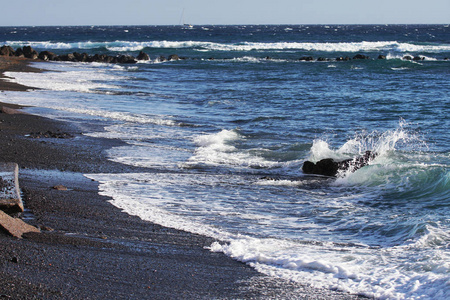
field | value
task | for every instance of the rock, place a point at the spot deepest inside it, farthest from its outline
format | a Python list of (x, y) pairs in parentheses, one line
[(330, 167), (19, 52), (60, 187), (81, 57), (173, 57), (306, 58), (407, 57), (343, 58), (99, 58), (326, 167), (416, 58), (15, 227), (381, 56), (126, 59), (360, 56), (143, 56), (29, 52), (322, 59), (47, 55), (7, 51), (67, 57)]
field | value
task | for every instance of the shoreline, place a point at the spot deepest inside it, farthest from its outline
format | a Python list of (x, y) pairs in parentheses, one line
[(90, 249)]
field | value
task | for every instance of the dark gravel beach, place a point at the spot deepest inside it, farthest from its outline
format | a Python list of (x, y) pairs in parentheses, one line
[(89, 249)]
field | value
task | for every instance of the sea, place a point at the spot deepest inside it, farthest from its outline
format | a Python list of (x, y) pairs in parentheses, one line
[(225, 131)]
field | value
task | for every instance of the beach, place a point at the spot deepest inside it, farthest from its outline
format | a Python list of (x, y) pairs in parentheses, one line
[(90, 249)]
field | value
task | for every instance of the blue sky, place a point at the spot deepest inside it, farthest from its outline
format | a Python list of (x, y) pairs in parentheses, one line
[(168, 12)]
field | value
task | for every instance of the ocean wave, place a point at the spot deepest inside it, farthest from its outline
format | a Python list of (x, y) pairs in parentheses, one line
[(126, 46)]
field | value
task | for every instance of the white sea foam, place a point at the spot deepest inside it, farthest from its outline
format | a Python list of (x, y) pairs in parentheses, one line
[(380, 272), (219, 149), (68, 77)]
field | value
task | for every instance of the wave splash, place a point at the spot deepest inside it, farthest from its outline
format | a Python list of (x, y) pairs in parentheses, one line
[(123, 46)]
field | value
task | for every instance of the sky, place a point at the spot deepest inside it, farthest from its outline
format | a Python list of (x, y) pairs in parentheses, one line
[(213, 12)]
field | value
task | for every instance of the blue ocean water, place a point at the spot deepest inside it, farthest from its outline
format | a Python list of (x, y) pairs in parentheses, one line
[(242, 107)]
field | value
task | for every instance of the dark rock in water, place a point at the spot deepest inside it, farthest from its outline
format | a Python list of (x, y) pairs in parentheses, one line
[(81, 57), (143, 56), (29, 52), (343, 58), (322, 59), (47, 55), (67, 57), (407, 57), (381, 56), (306, 58), (360, 56), (126, 59), (162, 58), (326, 167), (7, 51), (330, 167), (418, 58), (99, 58), (173, 57)]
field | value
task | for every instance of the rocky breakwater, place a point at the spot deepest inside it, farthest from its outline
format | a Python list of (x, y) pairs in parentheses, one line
[(30, 53)]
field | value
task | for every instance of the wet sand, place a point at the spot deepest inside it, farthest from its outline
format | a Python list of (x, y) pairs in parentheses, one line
[(89, 249)]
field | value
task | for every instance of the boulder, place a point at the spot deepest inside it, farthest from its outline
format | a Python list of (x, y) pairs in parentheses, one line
[(173, 57), (7, 51), (340, 58), (407, 57), (29, 52), (306, 58), (67, 57), (143, 56), (330, 167), (416, 58), (19, 52), (47, 55), (381, 56), (126, 59), (360, 56), (81, 57)]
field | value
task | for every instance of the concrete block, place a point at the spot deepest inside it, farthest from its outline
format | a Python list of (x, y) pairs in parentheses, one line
[(10, 200), (15, 227)]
